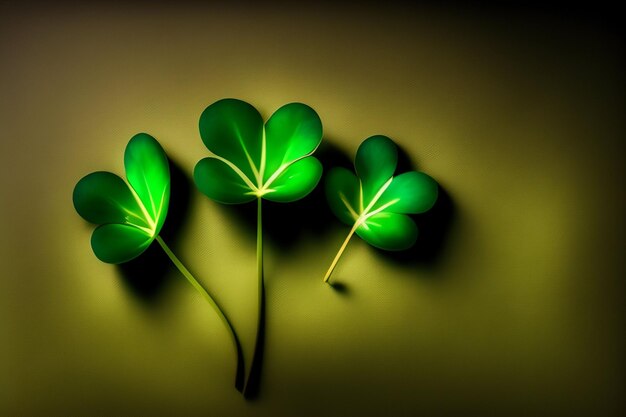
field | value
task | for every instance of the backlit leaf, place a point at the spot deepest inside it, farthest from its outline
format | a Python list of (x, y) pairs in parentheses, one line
[(269, 161), (375, 201), (131, 216)]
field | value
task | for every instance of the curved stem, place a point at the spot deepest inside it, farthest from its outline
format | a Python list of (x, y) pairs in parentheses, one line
[(341, 249), (194, 282), (255, 367)]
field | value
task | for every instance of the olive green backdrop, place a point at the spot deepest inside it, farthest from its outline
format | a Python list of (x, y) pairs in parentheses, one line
[(511, 305)]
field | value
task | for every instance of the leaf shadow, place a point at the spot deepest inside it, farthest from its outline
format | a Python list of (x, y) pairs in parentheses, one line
[(147, 276), (253, 385)]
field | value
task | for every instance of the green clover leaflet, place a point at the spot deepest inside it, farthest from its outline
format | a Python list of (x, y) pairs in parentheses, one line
[(374, 202)]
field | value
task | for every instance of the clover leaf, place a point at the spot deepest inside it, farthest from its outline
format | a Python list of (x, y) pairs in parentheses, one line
[(375, 202), (250, 160), (130, 216)]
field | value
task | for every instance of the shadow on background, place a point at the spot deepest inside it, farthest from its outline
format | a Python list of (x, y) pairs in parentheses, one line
[(253, 385), (339, 287), (147, 275)]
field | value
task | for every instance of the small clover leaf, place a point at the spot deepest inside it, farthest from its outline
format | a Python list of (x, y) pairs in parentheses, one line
[(375, 202), (130, 215), (249, 160)]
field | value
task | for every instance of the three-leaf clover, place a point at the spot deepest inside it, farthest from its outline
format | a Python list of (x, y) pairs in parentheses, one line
[(250, 160), (375, 202), (130, 216)]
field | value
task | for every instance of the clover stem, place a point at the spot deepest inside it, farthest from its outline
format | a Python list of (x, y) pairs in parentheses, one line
[(255, 367), (194, 282), (341, 249)]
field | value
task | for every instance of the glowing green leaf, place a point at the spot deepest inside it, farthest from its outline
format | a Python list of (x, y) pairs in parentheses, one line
[(131, 216), (375, 203), (249, 160)]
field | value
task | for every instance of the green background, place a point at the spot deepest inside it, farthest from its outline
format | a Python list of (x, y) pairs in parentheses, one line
[(511, 306)]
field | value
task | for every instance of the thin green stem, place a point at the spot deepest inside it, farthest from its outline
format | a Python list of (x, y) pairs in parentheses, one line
[(253, 377), (194, 282), (341, 249)]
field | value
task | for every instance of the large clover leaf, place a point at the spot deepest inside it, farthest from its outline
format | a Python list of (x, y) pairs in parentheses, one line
[(374, 202), (130, 215), (249, 160)]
